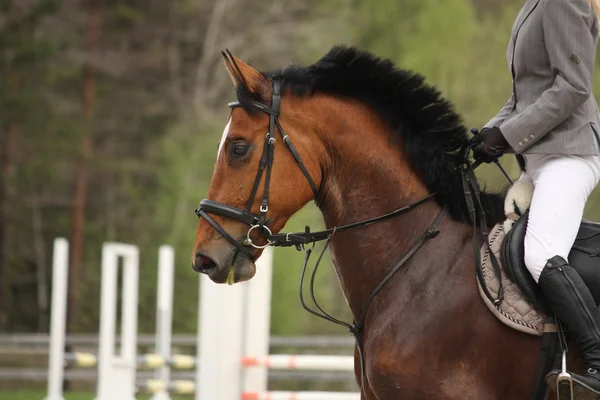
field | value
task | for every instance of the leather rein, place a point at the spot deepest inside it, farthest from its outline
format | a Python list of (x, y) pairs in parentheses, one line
[(261, 223)]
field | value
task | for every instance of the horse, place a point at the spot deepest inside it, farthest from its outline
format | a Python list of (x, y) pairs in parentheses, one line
[(363, 138)]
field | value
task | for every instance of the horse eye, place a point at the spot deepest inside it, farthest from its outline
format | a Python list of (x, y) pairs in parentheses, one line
[(239, 149)]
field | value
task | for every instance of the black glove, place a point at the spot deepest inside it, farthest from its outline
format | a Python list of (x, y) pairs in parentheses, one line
[(490, 144)]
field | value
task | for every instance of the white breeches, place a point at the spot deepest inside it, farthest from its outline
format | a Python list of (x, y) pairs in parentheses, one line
[(562, 185)]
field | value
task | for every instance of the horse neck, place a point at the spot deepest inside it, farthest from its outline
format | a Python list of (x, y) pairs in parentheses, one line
[(366, 175)]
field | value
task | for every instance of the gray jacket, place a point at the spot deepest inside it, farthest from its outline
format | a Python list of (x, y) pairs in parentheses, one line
[(551, 58)]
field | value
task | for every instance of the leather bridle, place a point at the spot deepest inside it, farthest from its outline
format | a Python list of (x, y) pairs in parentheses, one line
[(260, 221)]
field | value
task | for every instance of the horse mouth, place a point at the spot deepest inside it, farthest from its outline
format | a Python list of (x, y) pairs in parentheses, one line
[(223, 275), (239, 268)]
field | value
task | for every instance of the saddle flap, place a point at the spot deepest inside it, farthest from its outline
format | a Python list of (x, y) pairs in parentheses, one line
[(515, 311), (584, 258), (588, 238), (513, 258)]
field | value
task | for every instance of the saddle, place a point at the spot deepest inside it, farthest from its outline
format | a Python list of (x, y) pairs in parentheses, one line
[(584, 258), (511, 294), (524, 307)]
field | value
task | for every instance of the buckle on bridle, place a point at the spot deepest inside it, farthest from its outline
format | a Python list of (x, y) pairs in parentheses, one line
[(264, 208)]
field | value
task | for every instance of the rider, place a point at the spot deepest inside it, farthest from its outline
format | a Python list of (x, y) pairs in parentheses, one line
[(552, 121)]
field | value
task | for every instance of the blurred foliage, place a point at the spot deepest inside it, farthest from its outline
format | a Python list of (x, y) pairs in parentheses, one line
[(161, 107)]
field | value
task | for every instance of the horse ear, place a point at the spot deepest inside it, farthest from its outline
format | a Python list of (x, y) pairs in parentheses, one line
[(243, 74)]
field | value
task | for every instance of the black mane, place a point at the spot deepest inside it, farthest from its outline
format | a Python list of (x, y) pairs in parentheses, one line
[(433, 133)]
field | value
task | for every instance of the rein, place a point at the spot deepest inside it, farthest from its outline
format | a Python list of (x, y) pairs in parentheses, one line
[(472, 194), (301, 239), (357, 326), (297, 239)]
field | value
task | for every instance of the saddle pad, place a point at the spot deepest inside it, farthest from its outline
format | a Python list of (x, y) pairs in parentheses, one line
[(514, 310)]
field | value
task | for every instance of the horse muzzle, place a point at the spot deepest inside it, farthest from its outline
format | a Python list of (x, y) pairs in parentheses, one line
[(223, 264)]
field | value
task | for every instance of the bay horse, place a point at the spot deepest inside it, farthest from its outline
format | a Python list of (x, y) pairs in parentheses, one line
[(363, 138)]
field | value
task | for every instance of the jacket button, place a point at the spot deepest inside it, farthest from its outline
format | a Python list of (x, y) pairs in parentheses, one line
[(520, 143), (532, 137), (526, 140)]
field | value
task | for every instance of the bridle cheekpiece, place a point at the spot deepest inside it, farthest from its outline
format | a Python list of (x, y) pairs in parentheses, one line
[(258, 222)]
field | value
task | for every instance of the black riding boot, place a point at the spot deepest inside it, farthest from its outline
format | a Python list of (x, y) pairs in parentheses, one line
[(573, 304)]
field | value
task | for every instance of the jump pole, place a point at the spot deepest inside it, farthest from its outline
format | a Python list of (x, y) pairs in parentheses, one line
[(257, 322), (60, 271), (219, 344), (116, 372), (226, 334), (164, 317), (301, 396)]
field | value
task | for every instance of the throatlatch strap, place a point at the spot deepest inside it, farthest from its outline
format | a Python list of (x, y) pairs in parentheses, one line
[(290, 146)]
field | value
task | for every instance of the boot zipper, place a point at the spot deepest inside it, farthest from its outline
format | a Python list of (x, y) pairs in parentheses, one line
[(585, 309)]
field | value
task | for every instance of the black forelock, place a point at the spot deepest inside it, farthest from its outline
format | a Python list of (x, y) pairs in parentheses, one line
[(432, 132)]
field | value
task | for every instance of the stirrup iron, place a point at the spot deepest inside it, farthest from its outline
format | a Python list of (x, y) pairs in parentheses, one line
[(564, 381)]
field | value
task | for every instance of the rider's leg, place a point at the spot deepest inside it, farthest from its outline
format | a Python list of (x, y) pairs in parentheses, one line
[(562, 186)]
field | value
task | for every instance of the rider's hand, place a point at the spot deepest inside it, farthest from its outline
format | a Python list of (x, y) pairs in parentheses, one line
[(490, 144)]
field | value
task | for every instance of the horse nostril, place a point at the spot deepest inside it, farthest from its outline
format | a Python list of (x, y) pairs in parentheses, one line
[(203, 263)]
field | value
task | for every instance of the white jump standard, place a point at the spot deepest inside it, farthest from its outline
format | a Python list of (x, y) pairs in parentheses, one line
[(231, 361)]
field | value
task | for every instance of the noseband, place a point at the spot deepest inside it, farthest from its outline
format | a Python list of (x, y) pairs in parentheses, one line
[(257, 222)]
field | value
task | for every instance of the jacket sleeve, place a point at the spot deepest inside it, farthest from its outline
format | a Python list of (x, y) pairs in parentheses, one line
[(570, 43), (503, 114)]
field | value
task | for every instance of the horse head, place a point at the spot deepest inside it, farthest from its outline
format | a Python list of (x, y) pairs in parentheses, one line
[(267, 169)]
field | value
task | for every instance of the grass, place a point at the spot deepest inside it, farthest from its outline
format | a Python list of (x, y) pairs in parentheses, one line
[(32, 395)]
